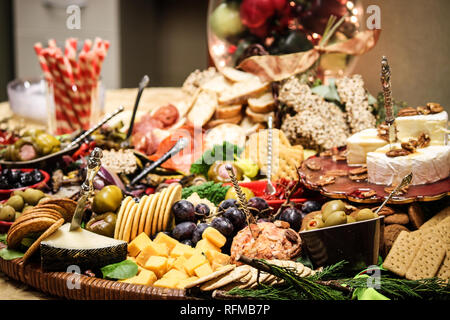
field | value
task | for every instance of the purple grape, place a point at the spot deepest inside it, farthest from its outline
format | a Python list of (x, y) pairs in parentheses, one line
[(198, 232), (223, 225), (188, 242), (310, 206), (258, 204), (183, 211), (236, 216), (202, 210), (225, 204), (184, 230), (293, 216)]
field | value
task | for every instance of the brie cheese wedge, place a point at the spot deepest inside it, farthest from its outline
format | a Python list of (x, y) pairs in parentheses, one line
[(361, 143), (428, 165), (80, 247), (435, 125)]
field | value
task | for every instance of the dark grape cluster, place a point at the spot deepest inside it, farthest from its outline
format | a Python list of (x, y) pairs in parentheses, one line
[(13, 178)]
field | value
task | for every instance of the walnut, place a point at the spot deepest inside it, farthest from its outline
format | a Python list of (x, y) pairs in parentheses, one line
[(408, 146), (337, 173), (385, 211), (313, 165), (435, 107), (397, 153), (358, 177), (357, 171), (400, 191), (339, 157), (423, 110), (423, 141), (326, 180), (408, 111), (368, 194)]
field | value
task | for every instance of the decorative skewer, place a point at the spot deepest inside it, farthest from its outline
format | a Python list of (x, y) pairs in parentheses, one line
[(405, 182), (387, 92), (270, 189), (94, 164), (251, 222), (98, 125)]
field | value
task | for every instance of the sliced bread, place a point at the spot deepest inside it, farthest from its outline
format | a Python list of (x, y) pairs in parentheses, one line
[(203, 109), (226, 112), (262, 103), (239, 92), (215, 122), (258, 117), (217, 84), (237, 75)]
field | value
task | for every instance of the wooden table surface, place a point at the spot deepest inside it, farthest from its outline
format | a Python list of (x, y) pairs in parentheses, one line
[(151, 98)]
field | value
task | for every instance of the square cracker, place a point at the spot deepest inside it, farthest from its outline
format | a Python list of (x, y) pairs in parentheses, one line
[(444, 270), (429, 257), (402, 253), (436, 218)]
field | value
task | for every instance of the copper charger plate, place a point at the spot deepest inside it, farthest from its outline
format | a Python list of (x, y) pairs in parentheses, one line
[(345, 188)]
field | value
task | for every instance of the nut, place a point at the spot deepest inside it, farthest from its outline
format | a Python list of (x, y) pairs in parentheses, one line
[(326, 180), (435, 107), (313, 165), (291, 235), (423, 141), (339, 157), (400, 191), (397, 153), (409, 147), (358, 171), (368, 194), (423, 110), (408, 111), (385, 211), (337, 173), (281, 224), (358, 177)]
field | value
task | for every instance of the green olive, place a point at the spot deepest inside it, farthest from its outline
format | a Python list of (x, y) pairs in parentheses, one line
[(18, 193), (231, 194), (103, 224), (7, 213), (218, 173), (336, 218), (107, 200), (315, 223), (365, 214), (332, 206), (32, 196), (26, 208), (16, 202), (18, 214)]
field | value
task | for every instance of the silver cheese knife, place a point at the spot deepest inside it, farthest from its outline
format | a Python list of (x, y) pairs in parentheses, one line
[(94, 164), (405, 182), (270, 189)]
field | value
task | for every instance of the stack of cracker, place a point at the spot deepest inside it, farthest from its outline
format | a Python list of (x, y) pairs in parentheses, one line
[(231, 96), (424, 253), (151, 215), (285, 157)]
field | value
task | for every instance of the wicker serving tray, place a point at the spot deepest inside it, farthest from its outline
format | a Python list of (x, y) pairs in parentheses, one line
[(55, 284)]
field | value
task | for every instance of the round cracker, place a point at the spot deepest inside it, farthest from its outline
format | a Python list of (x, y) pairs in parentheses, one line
[(151, 213), (126, 222), (32, 249), (120, 216), (65, 215), (158, 210), (219, 272), (21, 219), (144, 214), (68, 204), (170, 189), (16, 235), (138, 217), (35, 211), (174, 197), (126, 232)]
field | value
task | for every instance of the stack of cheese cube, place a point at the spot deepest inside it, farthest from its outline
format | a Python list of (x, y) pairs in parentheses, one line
[(165, 262)]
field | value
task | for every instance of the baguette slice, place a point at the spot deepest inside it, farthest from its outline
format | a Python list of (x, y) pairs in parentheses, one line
[(216, 122), (217, 84), (237, 75), (203, 109), (226, 112), (263, 103), (258, 117), (250, 126), (239, 92)]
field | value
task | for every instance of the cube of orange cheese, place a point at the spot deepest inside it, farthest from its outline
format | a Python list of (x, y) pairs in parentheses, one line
[(166, 283), (217, 257), (177, 274), (138, 244), (203, 270), (214, 236), (144, 277), (153, 249), (194, 262), (184, 282), (168, 241), (204, 245), (157, 264), (182, 250), (170, 262), (179, 263)]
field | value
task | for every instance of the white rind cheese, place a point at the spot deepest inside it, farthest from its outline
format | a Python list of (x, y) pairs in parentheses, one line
[(428, 165), (361, 143), (80, 247), (435, 125)]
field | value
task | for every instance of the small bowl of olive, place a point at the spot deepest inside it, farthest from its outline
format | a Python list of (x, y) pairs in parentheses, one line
[(21, 179), (336, 233)]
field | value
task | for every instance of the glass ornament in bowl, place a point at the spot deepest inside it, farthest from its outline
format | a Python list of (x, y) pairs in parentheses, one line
[(238, 29)]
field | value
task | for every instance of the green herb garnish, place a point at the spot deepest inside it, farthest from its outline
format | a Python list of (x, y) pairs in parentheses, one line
[(3, 238), (214, 192), (122, 270)]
